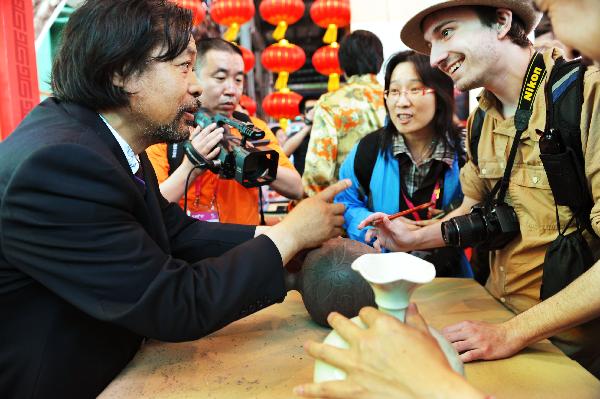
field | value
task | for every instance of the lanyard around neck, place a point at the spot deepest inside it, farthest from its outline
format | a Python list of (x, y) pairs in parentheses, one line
[(434, 197), (536, 72)]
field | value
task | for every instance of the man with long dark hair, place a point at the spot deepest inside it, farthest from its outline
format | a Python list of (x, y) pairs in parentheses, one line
[(92, 257)]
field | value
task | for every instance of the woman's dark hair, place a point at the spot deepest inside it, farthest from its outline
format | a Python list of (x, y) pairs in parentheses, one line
[(517, 33), (443, 124), (108, 37), (361, 52)]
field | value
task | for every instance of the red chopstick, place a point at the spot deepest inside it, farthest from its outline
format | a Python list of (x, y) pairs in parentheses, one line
[(404, 212)]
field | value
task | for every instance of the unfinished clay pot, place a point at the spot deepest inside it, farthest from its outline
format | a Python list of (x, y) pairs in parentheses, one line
[(328, 283)]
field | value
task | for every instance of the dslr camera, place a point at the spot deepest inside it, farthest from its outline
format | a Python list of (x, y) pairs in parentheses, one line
[(249, 165), (488, 226)]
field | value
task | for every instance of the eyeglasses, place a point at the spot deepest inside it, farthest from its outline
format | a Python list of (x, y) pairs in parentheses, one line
[(415, 92)]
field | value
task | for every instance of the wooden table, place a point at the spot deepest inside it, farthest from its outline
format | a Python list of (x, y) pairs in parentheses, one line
[(261, 356)]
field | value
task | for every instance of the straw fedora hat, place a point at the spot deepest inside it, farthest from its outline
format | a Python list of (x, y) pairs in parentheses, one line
[(412, 33)]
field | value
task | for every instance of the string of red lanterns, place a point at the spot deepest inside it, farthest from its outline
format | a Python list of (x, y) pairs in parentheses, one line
[(282, 58)]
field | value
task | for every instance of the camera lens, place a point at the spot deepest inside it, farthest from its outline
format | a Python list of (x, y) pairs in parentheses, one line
[(464, 231), (256, 165), (450, 233)]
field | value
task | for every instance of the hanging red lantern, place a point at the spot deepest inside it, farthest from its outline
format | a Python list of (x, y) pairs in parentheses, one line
[(248, 57), (330, 14), (326, 62), (282, 105), (249, 104), (231, 13), (197, 8), (281, 13), (283, 58)]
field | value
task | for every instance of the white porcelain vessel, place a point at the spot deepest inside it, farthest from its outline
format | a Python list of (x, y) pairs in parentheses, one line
[(393, 277)]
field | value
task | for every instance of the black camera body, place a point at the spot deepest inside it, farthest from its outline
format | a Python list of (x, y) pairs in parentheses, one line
[(248, 165), (486, 226)]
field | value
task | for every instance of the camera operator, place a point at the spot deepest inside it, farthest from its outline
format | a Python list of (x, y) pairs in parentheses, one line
[(487, 47), (220, 69)]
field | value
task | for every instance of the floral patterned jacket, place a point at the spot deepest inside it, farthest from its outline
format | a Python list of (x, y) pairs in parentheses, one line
[(341, 119)]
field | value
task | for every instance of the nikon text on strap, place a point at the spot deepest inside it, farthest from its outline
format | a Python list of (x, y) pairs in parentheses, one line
[(564, 98), (536, 72)]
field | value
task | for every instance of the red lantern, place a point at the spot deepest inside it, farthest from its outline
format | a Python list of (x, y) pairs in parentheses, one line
[(330, 14), (249, 104), (326, 62), (231, 13), (248, 57), (283, 58), (197, 7), (282, 105), (281, 13)]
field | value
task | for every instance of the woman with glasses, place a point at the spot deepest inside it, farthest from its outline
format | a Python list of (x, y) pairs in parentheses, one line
[(414, 159)]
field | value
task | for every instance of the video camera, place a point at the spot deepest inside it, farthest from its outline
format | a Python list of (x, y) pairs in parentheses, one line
[(248, 165)]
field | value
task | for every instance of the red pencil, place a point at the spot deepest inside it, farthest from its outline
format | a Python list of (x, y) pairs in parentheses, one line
[(405, 212)]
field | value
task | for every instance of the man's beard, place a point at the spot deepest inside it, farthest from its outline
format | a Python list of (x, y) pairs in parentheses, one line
[(174, 132)]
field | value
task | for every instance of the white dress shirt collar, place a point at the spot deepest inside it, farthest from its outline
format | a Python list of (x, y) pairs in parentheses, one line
[(132, 159)]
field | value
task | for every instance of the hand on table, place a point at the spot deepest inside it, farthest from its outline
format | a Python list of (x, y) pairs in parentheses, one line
[(389, 359), (478, 340)]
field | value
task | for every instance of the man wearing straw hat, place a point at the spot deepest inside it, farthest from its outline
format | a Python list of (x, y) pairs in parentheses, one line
[(576, 25), (483, 43)]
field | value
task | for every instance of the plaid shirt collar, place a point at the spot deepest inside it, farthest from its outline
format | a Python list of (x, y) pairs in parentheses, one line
[(440, 153)]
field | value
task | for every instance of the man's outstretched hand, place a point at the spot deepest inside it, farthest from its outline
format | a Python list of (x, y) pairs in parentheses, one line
[(313, 221)]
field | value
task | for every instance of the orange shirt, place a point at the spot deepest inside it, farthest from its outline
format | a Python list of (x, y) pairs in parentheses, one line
[(235, 203)]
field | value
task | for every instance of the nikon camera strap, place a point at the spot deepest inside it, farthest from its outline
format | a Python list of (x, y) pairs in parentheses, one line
[(536, 72)]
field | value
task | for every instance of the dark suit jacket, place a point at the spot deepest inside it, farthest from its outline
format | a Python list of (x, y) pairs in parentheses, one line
[(91, 261)]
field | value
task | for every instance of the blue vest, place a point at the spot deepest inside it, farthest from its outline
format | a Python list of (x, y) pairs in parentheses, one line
[(384, 194)]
